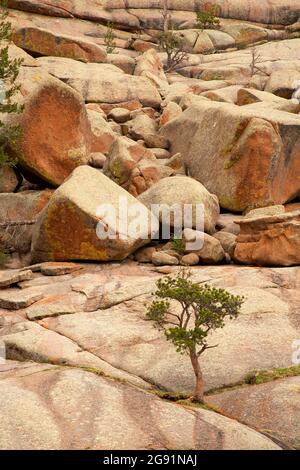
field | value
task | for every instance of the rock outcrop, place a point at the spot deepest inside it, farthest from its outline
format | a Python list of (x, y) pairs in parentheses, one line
[(85, 214), (247, 157), (182, 192), (271, 407), (272, 240), (102, 83), (133, 166), (61, 392), (108, 134), (55, 131)]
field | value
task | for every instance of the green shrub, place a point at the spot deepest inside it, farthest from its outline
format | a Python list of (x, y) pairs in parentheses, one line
[(109, 39), (178, 245), (207, 19), (173, 45), (9, 71), (201, 310)]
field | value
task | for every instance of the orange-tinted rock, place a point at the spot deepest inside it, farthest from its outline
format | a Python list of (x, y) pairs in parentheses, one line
[(68, 229), (146, 174), (171, 111), (45, 42), (102, 136), (133, 166), (55, 135), (9, 179), (269, 240), (143, 46), (133, 105), (247, 157)]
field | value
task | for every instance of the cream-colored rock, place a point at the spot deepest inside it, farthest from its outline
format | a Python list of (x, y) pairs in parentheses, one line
[(161, 258), (119, 115), (228, 241), (265, 211), (149, 65), (181, 190), (283, 83), (44, 415), (102, 83), (247, 157), (191, 259), (211, 251), (248, 96)]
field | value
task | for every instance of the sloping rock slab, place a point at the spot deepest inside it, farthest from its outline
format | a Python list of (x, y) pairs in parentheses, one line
[(75, 409), (273, 408)]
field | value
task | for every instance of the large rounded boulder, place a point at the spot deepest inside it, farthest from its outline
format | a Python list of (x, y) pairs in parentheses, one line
[(180, 191), (86, 220), (55, 132)]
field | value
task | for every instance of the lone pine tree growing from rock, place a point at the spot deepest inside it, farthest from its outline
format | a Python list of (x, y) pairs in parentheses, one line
[(202, 309)]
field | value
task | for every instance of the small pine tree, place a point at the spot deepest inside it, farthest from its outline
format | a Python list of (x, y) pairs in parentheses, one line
[(109, 39), (178, 244), (170, 42), (202, 309), (9, 71), (207, 19)]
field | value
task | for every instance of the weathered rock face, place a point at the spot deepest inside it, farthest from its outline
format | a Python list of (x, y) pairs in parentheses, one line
[(102, 136), (247, 157), (280, 12), (102, 83), (82, 213), (84, 311), (228, 242), (161, 258), (135, 13), (152, 423), (9, 179), (171, 111), (269, 240), (44, 42), (272, 406), (18, 213), (211, 251), (235, 66), (133, 166), (181, 190), (55, 135), (248, 96), (149, 65), (267, 324), (281, 83)]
